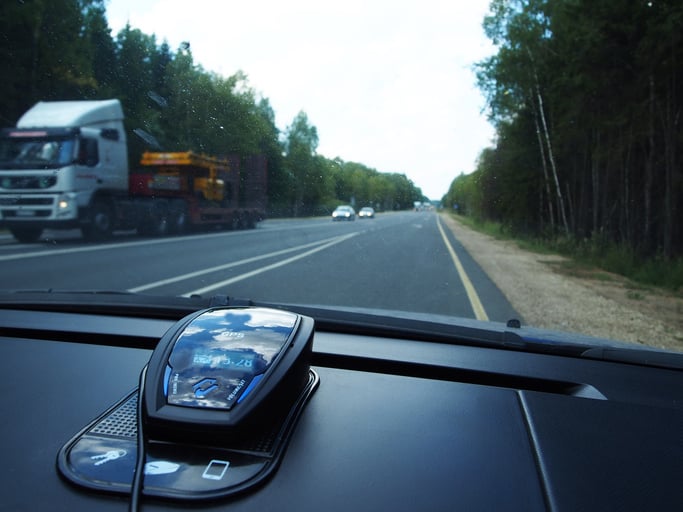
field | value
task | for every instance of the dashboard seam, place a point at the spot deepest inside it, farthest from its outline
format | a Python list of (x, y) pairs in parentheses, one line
[(535, 450)]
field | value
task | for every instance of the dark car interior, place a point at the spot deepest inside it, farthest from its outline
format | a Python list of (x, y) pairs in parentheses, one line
[(382, 413)]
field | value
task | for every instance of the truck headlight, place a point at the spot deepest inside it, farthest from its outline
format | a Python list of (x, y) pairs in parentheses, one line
[(66, 205)]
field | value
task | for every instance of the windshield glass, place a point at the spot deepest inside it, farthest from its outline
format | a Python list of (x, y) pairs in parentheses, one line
[(489, 160), (20, 151)]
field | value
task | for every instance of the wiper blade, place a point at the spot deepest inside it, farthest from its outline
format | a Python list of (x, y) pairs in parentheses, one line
[(601, 349), (647, 357), (104, 302), (464, 331), (416, 326), (396, 324), (429, 327), (76, 292)]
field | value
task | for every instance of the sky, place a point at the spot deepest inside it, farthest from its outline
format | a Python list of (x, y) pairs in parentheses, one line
[(388, 84)]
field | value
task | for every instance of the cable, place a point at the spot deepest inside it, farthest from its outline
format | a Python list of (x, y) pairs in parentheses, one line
[(139, 472)]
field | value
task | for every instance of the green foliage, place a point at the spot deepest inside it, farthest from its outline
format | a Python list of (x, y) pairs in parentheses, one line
[(594, 253), (585, 97), (64, 49), (44, 54), (300, 144), (619, 259), (465, 194)]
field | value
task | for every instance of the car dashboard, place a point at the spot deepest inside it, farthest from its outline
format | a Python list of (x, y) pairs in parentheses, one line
[(399, 421)]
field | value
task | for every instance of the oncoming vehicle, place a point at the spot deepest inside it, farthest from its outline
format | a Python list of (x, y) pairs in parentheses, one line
[(265, 358), (54, 178), (344, 213), (366, 213)]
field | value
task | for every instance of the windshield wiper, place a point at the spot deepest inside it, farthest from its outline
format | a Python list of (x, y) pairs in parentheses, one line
[(647, 357), (382, 323), (103, 302)]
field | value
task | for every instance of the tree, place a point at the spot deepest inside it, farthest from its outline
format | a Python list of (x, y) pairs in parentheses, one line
[(592, 89), (301, 143), (44, 55), (100, 50), (171, 103), (132, 85)]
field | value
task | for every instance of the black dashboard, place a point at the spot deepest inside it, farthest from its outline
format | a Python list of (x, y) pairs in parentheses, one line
[(397, 423)]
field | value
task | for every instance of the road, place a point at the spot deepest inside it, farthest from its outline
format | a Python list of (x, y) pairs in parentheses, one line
[(400, 261)]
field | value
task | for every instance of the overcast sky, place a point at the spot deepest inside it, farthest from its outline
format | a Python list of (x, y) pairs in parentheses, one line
[(386, 83)]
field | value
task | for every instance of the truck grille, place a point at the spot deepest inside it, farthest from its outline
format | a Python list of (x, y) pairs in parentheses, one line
[(27, 182), (12, 214), (26, 201), (26, 207)]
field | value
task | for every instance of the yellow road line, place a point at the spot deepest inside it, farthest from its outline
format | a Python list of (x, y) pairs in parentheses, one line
[(477, 307)]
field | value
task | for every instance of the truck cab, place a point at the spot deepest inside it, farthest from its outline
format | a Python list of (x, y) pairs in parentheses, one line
[(61, 167)]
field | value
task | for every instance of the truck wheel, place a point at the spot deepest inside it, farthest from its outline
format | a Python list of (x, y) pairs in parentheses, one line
[(178, 218), (156, 223), (26, 235), (100, 221), (235, 222)]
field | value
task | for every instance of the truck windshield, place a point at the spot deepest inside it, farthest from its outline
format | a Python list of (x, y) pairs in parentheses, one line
[(35, 152)]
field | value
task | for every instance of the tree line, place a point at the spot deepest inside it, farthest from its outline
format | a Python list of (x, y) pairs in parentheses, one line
[(65, 50), (586, 97)]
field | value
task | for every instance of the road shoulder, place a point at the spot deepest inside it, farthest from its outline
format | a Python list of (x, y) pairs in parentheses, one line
[(546, 297)]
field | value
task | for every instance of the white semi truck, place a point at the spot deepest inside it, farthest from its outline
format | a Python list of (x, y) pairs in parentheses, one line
[(65, 166)]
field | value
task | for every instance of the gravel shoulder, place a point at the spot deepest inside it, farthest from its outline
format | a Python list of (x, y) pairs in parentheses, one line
[(551, 293)]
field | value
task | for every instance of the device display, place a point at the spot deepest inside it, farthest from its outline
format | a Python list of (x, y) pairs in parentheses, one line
[(221, 355), (222, 366)]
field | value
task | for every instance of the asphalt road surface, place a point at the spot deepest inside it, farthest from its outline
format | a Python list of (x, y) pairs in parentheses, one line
[(406, 261)]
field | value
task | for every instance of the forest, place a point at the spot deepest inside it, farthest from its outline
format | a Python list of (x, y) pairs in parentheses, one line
[(586, 98), (65, 50)]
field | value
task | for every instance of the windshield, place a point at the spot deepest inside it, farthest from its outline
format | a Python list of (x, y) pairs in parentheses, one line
[(520, 159), (19, 151)]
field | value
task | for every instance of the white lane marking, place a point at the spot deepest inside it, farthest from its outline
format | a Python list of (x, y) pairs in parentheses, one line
[(166, 240), (267, 268), (120, 245), (477, 307), (245, 261)]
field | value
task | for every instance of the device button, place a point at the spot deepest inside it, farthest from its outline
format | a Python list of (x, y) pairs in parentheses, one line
[(204, 387), (251, 386), (167, 379)]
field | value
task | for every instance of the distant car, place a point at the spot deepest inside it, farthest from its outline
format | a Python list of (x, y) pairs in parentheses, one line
[(366, 212), (344, 213)]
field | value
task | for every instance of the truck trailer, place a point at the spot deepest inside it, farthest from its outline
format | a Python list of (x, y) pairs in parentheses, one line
[(65, 166)]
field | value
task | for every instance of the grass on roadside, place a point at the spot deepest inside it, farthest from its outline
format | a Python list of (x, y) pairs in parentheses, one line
[(588, 258)]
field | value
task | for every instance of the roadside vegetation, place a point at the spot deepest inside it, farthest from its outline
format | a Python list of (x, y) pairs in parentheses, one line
[(172, 104), (586, 100), (588, 258)]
